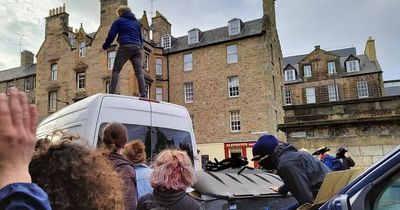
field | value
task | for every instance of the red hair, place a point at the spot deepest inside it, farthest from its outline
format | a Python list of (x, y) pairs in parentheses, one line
[(172, 170)]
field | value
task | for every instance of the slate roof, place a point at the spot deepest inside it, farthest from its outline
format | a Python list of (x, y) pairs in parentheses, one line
[(18, 72), (392, 88), (341, 53), (218, 35)]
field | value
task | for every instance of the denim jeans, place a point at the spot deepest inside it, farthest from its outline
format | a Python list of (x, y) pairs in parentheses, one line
[(133, 53)]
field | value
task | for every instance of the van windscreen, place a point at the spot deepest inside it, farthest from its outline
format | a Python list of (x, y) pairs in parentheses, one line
[(156, 139)]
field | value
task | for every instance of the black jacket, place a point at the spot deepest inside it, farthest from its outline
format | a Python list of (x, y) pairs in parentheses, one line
[(170, 199), (127, 171), (347, 162), (300, 171)]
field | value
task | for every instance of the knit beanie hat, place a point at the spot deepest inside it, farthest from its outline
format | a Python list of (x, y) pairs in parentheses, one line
[(265, 145)]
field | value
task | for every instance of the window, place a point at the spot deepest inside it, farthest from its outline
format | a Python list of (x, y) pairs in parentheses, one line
[(288, 97), (145, 35), (53, 101), (187, 62), (146, 61), (235, 121), (310, 95), (147, 90), (193, 36), (234, 27), (232, 55), (80, 81), (166, 41), (388, 193), (27, 84), (9, 85), (333, 93), (54, 71), (352, 66), (111, 59), (107, 86), (233, 86), (82, 49), (362, 89), (331, 68), (159, 94), (307, 71), (34, 83), (158, 66), (188, 91), (290, 75)]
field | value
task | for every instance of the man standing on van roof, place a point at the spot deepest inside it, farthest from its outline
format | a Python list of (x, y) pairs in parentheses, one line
[(130, 41), (300, 171)]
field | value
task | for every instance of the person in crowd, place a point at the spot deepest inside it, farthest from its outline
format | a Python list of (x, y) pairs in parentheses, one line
[(300, 171), (76, 177), (128, 29), (18, 122), (172, 174), (328, 160), (344, 157), (114, 138), (136, 153)]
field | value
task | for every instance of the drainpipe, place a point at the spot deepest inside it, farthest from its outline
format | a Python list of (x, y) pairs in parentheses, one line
[(168, 76)]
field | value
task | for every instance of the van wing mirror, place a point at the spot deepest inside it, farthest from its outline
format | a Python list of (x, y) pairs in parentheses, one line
[(340, 202)]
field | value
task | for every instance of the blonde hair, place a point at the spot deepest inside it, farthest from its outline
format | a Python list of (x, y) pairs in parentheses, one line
[(172, 170), (122, 9), (135, 151)]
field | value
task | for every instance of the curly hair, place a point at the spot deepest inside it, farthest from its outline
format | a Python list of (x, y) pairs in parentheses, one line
[(135, 151), (76, 177), (172, 171), (114, 136)]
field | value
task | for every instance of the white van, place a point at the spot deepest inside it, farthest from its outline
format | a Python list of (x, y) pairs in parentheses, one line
[(158, 124)]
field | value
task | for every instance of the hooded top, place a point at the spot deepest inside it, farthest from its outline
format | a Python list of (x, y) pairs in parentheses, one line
[(127, 171), (301, 172), (171, 199), (128, 29)]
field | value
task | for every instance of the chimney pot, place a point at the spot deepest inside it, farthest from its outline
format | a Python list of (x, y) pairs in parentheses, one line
[(54, 11), (50, 12), (317, 47), (57, 11)]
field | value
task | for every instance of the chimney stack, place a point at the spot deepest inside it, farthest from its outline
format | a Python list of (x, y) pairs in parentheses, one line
[(26, 58), (370, 50), (269, 11)]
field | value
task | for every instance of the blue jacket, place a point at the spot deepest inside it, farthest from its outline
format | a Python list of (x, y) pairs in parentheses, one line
[(27, 196), (143, 174), (128, 29), (332, 163)]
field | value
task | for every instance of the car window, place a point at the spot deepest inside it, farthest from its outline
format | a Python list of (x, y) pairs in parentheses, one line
[(389, 198), (156, 139)]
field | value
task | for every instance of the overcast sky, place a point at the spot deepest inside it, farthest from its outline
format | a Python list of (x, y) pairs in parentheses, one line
[(302, 24)]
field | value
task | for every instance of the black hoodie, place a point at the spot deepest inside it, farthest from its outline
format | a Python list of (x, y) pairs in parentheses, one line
[(170, 199), (300, 171)]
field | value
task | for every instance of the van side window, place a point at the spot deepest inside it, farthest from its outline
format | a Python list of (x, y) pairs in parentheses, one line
[(389, 196), (156, 139)]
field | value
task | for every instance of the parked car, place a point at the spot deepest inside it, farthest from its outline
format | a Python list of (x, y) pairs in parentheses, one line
[(377, 188), (158, 124)]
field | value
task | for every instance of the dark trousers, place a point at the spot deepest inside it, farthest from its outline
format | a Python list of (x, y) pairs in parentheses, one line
[(133, 53)]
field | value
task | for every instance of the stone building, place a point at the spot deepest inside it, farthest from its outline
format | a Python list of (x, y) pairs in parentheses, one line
[(22, 77), (230, 80), (71, 65), (335, 98)]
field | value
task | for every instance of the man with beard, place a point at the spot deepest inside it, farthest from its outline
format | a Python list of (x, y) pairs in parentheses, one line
[(301, 173)]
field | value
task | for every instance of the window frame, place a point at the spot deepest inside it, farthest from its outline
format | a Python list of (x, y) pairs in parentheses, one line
[(232, 56), (159, 95), (333, 92), (351, 64), (146, 58), (53, 71), (234, 27), (193, 37), (293, 71), (234, 121), (233, 86), (111, 60), (166, 41), (147, 88), (188, 92), (82, 49), (307, 71), (159, 67), (308, 95), (186, 66), (27, 84), (80, 81), (331, 67), (288, 97), (362, 87)]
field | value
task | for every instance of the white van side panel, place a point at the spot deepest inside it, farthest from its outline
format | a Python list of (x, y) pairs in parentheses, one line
[(123, 110)]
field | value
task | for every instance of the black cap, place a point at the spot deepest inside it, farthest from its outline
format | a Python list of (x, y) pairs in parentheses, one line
[(321, 151)]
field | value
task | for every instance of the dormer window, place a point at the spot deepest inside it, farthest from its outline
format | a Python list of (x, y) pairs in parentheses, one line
[(234, 26), (307, 71), (166, 41), (290, 75), (193, 36), (353, 66), (82, 49)]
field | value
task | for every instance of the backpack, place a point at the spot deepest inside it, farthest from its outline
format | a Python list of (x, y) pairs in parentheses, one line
[(154, 205)]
